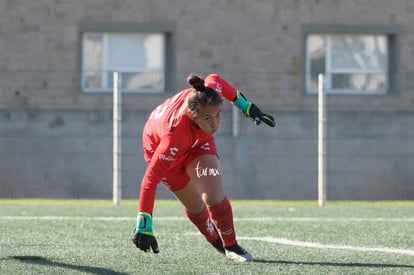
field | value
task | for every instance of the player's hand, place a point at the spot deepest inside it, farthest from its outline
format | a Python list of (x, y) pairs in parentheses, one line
[(145, 242), (255, 114), (252, 111), (144, 238)]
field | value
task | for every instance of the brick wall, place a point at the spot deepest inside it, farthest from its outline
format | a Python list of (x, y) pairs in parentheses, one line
[(257, 45)]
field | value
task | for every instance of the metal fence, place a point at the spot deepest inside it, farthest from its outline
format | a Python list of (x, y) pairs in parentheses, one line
[(57, 142)]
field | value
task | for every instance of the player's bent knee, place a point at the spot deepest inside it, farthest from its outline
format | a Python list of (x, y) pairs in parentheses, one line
[(213, 199)]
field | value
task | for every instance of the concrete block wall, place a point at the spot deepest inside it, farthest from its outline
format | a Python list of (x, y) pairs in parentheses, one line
[(74, 160), (55, 141), (258, 44)]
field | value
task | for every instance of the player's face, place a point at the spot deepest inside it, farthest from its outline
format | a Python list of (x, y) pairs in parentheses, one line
[(209, 118)]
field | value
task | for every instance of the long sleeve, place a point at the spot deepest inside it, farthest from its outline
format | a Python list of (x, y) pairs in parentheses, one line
[(164, 156), (236, 97), (156, 170), (223, 87), (170, 151)]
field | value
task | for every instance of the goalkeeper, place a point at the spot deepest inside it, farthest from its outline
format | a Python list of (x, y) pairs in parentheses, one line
[(180, 151)]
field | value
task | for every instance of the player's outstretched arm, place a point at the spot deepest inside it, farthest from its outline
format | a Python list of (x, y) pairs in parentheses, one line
[(252, 111)]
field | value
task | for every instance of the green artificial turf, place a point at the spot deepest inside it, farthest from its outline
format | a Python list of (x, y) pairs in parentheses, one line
[(285, 237)]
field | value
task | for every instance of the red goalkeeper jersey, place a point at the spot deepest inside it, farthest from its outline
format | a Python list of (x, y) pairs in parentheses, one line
[(169, 137)]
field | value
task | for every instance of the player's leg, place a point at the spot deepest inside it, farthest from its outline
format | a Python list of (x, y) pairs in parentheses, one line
[(197, 212), (204, 170)]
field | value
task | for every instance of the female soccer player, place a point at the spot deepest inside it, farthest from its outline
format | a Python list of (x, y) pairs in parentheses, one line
[(180, 151)]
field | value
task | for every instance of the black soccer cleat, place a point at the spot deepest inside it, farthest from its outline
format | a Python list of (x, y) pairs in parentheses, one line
[(238, 254), (218, 245)]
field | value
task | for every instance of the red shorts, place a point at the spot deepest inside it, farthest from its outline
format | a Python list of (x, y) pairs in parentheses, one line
[(177, 178)]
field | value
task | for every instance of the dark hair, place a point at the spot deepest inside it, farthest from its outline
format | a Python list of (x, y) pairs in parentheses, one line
[(202, 96)]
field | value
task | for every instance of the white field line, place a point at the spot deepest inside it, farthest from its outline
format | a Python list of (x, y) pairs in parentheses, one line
[(259, 219), (264, 239), (330, 246)]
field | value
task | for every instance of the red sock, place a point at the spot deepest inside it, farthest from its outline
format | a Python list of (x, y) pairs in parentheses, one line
[(222, 213), (204, 224)]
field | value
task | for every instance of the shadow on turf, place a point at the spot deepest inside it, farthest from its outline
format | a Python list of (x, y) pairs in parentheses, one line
[(46, 262), (335, 264)]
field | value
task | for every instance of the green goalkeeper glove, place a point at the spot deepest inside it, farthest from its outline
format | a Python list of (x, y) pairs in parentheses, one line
[(252, 111), (144, 238)]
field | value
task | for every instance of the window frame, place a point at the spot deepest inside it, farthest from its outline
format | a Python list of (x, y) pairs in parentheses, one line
[(167, 29), (390, 31)]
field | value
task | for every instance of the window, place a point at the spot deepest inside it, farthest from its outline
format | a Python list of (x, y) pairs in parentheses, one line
[(352, 63), (141, 58)]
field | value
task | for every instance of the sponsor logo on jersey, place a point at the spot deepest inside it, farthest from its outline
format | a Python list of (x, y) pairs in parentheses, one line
[(173, 151), (171, 156), (167, 158), (217, 86), (205, 146)]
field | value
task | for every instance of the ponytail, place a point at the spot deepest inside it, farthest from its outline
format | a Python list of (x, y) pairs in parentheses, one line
[(202, 96), (197, 82)]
